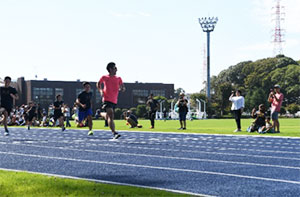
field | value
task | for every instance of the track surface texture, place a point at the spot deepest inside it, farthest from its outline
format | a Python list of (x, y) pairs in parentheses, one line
[(213, 165)]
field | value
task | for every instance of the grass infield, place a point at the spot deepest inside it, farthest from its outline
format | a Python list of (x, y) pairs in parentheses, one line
[(288, 127), (14, 184), (27, 184)]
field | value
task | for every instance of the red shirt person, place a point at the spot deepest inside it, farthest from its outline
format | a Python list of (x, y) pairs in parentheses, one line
[(109, 87)]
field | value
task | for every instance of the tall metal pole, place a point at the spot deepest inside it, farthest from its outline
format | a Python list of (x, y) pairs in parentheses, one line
[(208, 24), (208, 67)]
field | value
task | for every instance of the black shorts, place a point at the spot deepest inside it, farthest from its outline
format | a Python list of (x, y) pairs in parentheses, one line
[(7, 108), (106, 105), (57, 115), (31, 116)]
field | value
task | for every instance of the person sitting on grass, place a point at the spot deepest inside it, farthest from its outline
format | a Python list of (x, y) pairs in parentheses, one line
[(269, 126), (260, 119), (131, 119)]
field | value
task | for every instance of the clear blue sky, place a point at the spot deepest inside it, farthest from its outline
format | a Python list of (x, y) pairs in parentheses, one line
[(150, 40)]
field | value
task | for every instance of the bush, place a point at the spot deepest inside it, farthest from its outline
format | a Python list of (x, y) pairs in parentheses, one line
[(141, 111), (118, 113)]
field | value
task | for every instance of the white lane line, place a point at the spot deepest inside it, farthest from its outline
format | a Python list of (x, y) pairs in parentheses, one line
[(107, 182), (205, 147), (153, 167), (168, 157), (154, 133), (188, 151)]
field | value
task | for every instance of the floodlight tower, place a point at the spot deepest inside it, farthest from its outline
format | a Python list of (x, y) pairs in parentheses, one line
[(204, 66), (208, 25)]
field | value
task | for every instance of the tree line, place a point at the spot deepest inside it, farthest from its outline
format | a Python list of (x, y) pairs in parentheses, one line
[(253, 78)]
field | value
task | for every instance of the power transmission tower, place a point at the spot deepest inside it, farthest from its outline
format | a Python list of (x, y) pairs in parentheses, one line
[(277, 36)]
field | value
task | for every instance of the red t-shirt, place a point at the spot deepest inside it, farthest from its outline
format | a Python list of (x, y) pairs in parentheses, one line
[(111, 88), (276, 105)]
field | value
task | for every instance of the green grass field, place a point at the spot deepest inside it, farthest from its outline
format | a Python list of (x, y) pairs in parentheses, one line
[(26, 184), (288, 127)]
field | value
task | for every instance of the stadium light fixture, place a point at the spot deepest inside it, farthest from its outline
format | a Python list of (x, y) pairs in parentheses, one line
[(208, 25)]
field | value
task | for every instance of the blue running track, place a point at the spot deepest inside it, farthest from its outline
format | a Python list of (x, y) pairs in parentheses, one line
[(213, 165)]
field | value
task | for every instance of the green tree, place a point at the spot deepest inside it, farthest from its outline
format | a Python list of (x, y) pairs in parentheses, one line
[(198, 96), (255, 79), (141, 111), (133, 110), (254, 98), (118, 113), (293, 108), (178, 91)]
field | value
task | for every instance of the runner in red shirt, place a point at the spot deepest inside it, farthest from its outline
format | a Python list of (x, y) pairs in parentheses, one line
[(109, 87)]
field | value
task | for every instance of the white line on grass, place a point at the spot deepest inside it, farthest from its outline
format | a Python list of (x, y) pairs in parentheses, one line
[(153, 167)]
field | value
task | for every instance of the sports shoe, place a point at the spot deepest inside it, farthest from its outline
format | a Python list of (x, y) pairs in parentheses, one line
[(6, 133), (151, 127), (90, 132), (116, 136), (237, 130), (63, 129)]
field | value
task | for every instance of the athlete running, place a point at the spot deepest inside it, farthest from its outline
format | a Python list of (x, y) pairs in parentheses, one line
[(109, 87), (8, 95), (58, 115), (85, 108)]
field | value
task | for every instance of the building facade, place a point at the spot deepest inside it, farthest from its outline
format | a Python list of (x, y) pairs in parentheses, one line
[(44, 92)]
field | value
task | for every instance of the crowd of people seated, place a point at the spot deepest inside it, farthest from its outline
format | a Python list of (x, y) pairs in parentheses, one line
[(33, 114)]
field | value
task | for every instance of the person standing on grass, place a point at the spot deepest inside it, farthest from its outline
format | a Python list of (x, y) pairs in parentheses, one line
[(238, 104), (109, 87), (8, 95), (58, 115), (275, 98), (153, 106), (85, 107), (182, 110)]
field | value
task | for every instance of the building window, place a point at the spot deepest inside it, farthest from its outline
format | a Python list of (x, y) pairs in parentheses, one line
[(59, 91), (158, 93), (140, 96), (78, 91), (43, 96), (98, 97), (140, 92)]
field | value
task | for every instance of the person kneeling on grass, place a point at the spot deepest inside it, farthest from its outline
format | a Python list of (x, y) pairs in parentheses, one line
[(260, 119), (131, 119), (85, 108)]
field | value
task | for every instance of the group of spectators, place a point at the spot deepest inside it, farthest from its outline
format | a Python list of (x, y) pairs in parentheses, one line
[(262, 122), (33, 115)]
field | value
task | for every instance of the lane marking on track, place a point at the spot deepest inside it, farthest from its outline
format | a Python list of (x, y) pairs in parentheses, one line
[(81, 141), (153, 167), (162, 132), (108, 182), (172, 157)]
